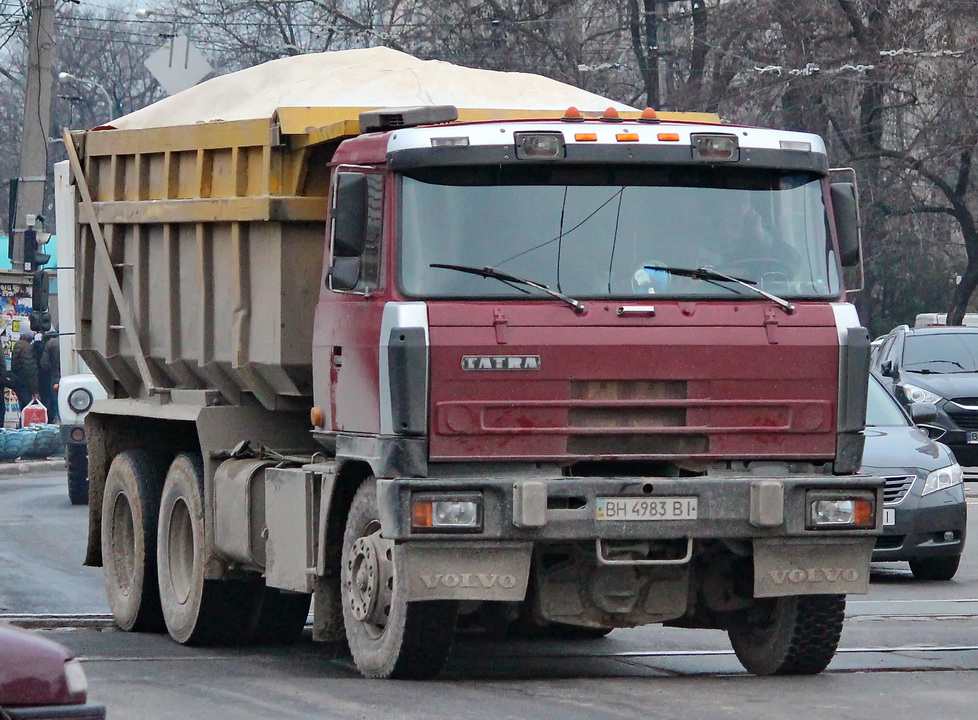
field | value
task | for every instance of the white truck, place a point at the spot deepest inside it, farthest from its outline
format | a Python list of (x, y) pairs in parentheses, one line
[(78, 388)]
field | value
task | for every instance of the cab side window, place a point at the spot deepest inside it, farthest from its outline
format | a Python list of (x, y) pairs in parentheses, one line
[(357, 232)]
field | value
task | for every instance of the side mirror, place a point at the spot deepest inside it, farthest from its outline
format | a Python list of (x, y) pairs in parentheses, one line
[(845, 210), (345, 273), (886, 368), (922, 413), (350, 215)]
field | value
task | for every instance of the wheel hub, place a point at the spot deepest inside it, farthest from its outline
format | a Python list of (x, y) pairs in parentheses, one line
[(369, 579)]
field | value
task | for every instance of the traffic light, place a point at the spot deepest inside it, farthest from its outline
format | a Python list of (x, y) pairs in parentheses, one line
[(33, 257), (41, 322), (40, 290)]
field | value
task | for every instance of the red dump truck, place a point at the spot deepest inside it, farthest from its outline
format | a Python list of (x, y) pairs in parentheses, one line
[(437, 346)]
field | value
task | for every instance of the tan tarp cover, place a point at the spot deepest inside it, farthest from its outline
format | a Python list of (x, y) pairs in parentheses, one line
[(365, 78)]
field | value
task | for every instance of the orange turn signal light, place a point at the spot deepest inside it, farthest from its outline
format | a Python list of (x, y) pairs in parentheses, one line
[(586, 137), (668, 137), (863, 513), (317, 417), (421, 514), (627, 137)]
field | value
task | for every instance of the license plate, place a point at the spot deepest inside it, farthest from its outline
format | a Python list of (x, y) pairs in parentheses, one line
[(973, 436), (889, 516), (651, 508)]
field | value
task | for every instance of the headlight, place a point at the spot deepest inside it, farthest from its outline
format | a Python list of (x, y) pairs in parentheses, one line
[(833, 510), (447, 513), (75, 677), (943, 479), (80, 400), (915, 394)]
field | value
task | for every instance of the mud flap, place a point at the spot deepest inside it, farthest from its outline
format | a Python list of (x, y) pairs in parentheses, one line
[(466, 571), (805, 566)]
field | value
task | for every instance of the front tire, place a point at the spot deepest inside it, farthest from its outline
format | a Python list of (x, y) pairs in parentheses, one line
[(943, 568), (196, 611), (76, 458), (130, 505), (793, 635), (388, 636)]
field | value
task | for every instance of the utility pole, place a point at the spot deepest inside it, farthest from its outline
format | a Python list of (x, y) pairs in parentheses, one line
[(663, 60), (37, 120)]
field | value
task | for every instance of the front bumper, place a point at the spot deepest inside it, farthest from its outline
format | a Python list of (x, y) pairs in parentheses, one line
[(88, 711), (564, 508), (920, 524)]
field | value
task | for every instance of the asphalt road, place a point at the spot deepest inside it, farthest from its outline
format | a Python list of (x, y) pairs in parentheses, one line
[(909, 650)]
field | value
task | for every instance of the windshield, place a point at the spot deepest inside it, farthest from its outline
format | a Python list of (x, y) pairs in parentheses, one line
[(941, 353), (593, 232), (881, 409)]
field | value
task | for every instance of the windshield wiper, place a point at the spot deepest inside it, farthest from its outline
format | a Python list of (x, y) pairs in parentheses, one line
[(711, 275), (928, 362), (490, 272)]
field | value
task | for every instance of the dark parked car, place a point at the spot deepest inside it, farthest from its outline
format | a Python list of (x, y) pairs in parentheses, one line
[(41, 680), (937, 365), (924, 510)]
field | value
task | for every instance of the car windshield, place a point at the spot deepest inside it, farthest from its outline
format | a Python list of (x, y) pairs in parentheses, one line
[(594, 232), (941, 352), (882, 410)]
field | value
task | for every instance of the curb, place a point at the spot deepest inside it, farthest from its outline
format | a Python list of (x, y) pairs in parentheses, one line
[(30, 466)]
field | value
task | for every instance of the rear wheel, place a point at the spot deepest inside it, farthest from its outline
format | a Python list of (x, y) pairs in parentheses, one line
[(130, 504), (935, 568), (388, 636), (794, 635), (76, 458), (196, 611)]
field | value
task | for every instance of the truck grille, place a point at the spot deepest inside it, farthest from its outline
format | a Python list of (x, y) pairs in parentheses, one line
[(896, 488)]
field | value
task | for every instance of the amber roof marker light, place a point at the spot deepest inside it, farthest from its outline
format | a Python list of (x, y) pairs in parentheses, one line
[(572, 114), (649, 116)]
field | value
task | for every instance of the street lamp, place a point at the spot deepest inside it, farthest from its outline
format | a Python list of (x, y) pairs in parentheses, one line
[(74, 78)]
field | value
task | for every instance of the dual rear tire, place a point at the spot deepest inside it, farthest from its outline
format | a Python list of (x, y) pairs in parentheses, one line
[(153, 554)]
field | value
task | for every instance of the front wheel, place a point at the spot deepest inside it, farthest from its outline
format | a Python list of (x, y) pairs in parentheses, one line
[(388, 636), (943, 568), (793, 635)]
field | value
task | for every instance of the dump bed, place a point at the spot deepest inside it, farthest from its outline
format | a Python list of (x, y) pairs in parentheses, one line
[(201, 238)]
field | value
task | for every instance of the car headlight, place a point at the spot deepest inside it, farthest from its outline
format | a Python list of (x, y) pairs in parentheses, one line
[(943, 479), (75, 677), (80, 400), (915, 394)]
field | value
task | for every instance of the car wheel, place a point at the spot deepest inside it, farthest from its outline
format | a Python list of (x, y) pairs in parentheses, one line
[(935, 568), (793, 635), (76, 458)]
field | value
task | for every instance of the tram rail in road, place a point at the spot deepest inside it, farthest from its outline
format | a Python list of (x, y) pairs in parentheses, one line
[(927, 657)]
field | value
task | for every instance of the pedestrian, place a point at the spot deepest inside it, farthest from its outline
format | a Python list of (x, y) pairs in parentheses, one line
[(50, 376), (23, 367)]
